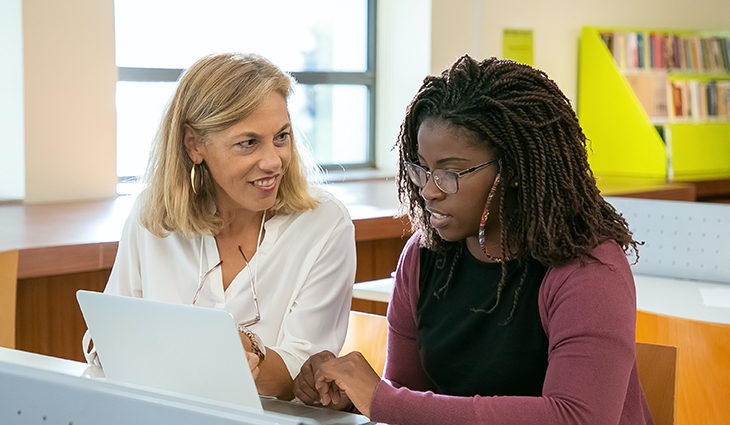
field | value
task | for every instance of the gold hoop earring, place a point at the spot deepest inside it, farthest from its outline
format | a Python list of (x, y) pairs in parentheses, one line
[(192, 180)]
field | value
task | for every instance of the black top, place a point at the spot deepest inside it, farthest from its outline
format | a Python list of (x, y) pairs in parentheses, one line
[(466, 352)]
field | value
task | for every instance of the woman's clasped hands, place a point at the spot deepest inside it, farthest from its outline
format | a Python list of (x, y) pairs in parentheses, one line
[(337, 382)]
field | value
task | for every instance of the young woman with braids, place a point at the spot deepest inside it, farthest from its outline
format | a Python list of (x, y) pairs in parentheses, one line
[(514, 302)]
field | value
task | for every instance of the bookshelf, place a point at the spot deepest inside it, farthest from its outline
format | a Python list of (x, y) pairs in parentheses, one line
[(655, 104)]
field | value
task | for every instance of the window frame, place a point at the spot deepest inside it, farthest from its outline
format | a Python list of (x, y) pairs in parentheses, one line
[(365, 78)]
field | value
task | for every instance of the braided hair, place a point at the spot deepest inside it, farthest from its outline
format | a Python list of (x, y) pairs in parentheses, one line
[(556, 213)]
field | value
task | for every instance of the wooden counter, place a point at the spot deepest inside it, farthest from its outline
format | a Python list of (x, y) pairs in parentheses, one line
[(64, 247), (62, 238)]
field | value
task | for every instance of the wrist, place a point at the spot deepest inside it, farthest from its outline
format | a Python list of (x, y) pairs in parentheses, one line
[(257, 344)]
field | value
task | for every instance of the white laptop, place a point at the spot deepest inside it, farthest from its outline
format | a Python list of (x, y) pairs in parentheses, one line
[(184, 349)]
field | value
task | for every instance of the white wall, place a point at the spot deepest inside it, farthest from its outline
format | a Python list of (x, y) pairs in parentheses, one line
[(403, 60), (12, 178), (70, 76), (456, 29), (557, 25)]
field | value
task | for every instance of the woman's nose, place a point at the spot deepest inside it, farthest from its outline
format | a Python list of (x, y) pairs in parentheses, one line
[(430, 190), (270, 159)]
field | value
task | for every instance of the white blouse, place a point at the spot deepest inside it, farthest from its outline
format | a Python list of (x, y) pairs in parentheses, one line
[(305, 269)]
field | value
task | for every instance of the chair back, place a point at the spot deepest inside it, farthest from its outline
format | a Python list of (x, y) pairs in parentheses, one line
[(657, 366), (368, 334), (8, 297)]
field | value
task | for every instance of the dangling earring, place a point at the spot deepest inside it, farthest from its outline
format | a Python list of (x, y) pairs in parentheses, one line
[(192, 179), (483, 222)]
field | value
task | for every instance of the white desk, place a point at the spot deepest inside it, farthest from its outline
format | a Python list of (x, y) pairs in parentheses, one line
[(37, 389), (375, 290), (687, 299)]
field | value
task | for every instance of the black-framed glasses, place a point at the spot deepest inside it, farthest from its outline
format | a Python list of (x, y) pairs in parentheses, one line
[(446, 180)]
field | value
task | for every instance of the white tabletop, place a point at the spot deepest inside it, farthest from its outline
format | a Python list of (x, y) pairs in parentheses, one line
[(688, 299), (38, 386), (374, 290), (48, 363)]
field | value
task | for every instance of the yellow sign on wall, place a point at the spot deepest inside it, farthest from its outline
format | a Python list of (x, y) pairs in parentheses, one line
[(517, 44)]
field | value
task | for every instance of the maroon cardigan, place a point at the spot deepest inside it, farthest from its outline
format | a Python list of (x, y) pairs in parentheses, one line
[(588, 312)]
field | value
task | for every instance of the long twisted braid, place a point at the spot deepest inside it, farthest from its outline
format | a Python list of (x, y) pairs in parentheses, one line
[(556, 211)]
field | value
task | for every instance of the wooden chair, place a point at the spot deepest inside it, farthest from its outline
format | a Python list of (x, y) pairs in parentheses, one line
[(368, 334), (657, 366), (703, 364), (8, 297)]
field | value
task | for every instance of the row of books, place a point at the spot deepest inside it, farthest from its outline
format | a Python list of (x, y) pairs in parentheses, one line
[(653, 50), (699, 100)]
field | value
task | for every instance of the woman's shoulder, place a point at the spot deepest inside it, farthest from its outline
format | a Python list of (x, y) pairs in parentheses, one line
[(606, 262), (413, 245), (135, 227), (608, 252), (410, 257), (329, 213), (328, 205), (134, 219)]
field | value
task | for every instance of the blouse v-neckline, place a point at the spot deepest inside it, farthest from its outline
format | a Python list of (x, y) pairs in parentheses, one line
[(212, 257)]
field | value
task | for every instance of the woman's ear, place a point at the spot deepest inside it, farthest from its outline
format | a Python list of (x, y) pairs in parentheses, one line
[(193, 144)]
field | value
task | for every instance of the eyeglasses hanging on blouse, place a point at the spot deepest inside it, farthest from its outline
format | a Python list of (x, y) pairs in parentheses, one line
[(252, 277)]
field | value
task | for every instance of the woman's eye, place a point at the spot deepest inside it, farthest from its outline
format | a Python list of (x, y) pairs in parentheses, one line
[(282, 138), (246, 144)]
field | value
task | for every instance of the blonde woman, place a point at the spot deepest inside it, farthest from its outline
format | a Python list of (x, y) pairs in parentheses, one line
[(228, 220)]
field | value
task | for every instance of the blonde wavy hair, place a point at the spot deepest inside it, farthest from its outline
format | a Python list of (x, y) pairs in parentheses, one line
[(212, 95)]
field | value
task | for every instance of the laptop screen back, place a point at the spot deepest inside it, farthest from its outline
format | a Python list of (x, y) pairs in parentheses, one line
[(182, 348)]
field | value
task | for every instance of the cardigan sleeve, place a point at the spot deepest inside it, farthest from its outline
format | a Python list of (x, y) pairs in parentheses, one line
[(588, 312), (403, 363)]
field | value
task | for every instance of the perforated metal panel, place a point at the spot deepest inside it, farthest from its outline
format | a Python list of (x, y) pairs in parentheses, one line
[(689, 240)]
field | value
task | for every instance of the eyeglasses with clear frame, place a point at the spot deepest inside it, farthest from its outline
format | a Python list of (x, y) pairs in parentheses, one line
[(446, 180), (252, 279)]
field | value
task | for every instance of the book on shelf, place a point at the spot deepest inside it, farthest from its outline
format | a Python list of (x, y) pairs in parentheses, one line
[(723, 100), (651, 90), (699, 100), (640, 51), (655, 50), (676, 109), (694, 94), (711, 90)]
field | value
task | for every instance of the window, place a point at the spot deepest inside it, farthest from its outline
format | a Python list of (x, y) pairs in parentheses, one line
[(328, 45)]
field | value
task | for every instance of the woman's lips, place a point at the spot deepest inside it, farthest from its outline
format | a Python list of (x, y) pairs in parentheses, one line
[(266, 184), (438, 219)]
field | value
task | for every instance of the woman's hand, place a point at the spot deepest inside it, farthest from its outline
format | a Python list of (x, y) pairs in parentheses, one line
[(253, 363), (304, 388), (351, 374), (270, 375), (253, 359)]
